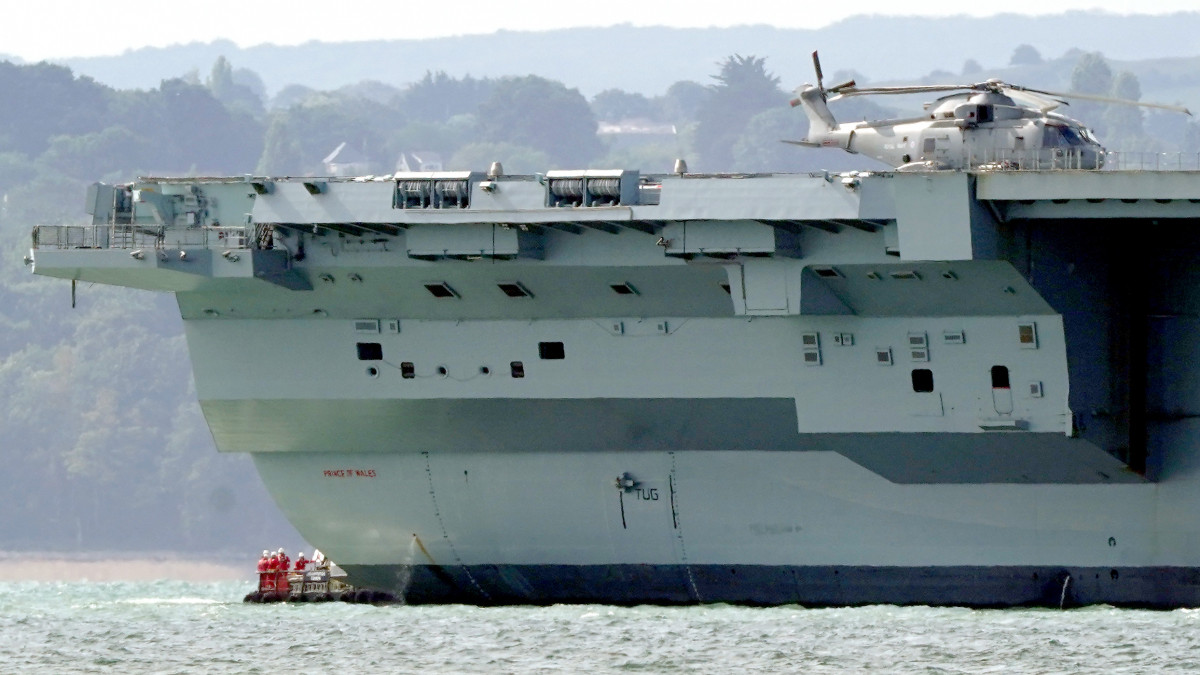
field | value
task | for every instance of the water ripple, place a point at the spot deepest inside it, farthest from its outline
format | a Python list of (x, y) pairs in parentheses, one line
[(182, 627)]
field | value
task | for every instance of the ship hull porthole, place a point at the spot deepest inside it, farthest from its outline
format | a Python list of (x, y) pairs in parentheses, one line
[(372, 371)]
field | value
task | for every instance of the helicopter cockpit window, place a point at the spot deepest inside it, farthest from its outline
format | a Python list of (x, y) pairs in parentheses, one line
[(1072, 137), (1057, 137)]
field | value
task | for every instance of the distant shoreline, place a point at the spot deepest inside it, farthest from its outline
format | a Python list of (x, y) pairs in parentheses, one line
[(113, 566)]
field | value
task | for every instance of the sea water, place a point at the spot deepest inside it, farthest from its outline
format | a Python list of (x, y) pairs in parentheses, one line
[(205, 628)]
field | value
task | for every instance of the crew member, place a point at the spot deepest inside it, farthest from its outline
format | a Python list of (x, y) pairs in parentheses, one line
[(301, 563), (281, 580), (272, 572), (265, 582)]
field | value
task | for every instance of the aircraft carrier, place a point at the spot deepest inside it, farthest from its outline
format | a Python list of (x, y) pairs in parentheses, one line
[(948, 388)]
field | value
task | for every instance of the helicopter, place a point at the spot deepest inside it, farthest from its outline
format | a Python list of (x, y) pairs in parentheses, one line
[(981, 126)]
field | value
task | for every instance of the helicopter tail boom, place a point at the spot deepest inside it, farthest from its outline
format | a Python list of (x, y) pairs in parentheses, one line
[(812, 99), (820, 120)]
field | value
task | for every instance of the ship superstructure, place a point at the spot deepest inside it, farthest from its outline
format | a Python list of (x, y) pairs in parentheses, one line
[(964, 388)]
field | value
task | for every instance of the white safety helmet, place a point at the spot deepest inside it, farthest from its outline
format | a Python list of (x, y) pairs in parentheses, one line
[(266, 553)]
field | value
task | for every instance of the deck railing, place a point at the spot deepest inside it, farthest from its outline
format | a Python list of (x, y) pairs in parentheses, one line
[(139, 236), (1152, 161), (1085, 159)]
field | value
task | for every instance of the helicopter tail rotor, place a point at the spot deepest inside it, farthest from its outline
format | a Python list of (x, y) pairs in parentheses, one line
[(835, 89), (817, 67), (823, 128)]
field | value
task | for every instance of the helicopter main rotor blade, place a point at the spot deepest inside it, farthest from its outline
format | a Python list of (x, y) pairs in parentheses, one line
[(1099, 99), (1122, 101), (848, 84), (913, 89), (1043, 102), (817, 67)]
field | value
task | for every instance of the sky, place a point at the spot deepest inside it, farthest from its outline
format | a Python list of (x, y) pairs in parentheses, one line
[(54, 29)]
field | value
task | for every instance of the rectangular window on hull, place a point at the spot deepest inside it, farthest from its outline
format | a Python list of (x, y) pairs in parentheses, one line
[(551, 350), (440, 289), (370, 351), (922, 380), (366, 325), (1000, 377), (514, 289), (1027, 335), (954, 337)]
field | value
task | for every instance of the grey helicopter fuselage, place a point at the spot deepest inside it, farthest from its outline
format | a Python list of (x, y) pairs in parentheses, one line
[(960, 131)]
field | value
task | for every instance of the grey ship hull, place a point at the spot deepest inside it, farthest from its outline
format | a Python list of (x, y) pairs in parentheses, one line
[(742, 527), (935, 389)]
